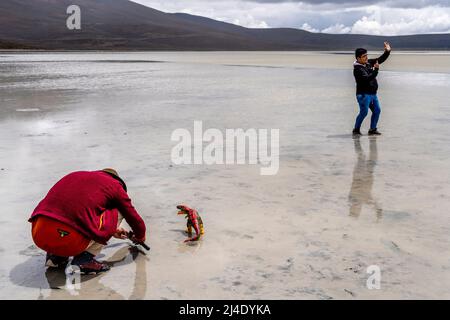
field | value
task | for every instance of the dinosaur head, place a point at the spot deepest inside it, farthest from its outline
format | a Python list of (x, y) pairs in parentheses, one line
[(183, 209)]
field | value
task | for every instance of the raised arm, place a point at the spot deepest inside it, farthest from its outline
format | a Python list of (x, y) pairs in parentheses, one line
[(384, 56)]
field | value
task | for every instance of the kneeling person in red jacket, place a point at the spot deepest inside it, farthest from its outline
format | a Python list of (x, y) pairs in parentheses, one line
[(78, 216)]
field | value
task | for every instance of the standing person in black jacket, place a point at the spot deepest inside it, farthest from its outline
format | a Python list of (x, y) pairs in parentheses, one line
[(365, 71)]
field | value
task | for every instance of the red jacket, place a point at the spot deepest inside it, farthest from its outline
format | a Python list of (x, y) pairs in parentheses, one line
[(80, 198)]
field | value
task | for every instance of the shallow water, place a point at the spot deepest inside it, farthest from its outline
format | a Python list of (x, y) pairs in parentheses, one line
[(336, 206)]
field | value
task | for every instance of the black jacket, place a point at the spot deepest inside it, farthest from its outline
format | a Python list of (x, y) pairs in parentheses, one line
[(366, 75)]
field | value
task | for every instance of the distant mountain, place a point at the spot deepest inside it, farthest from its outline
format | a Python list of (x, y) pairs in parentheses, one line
[(125, 25)]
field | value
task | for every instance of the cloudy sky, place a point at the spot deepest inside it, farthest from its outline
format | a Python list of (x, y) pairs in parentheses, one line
[(377, 17)]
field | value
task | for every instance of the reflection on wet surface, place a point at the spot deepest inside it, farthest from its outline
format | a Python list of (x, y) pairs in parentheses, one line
[(32, 274), (362, 184), (287, 236)]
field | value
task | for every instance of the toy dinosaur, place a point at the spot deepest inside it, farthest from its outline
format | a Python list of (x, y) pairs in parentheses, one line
[(193, 221)]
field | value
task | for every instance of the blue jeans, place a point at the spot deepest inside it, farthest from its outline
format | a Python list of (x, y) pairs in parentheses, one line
[(365, 102)]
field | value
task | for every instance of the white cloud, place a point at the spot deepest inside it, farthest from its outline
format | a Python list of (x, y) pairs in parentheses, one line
[(307, 27), (403, 21), (337, 28), (386, 18), (250, 22)]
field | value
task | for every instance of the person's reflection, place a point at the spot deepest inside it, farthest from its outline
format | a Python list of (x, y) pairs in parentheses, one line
[(91, 286), (140, 280), (361, 189)]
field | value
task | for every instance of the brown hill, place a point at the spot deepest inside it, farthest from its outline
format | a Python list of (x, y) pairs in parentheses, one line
[(125, 25)]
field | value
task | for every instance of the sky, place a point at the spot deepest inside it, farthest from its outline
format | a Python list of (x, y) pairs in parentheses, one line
[(375, 17)]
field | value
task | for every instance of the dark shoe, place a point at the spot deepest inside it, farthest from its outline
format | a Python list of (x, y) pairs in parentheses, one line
[(53, 261), (357, 132), (374, 132), (87, 264)]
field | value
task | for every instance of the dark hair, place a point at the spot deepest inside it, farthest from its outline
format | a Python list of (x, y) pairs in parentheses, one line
[(359, 52)]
